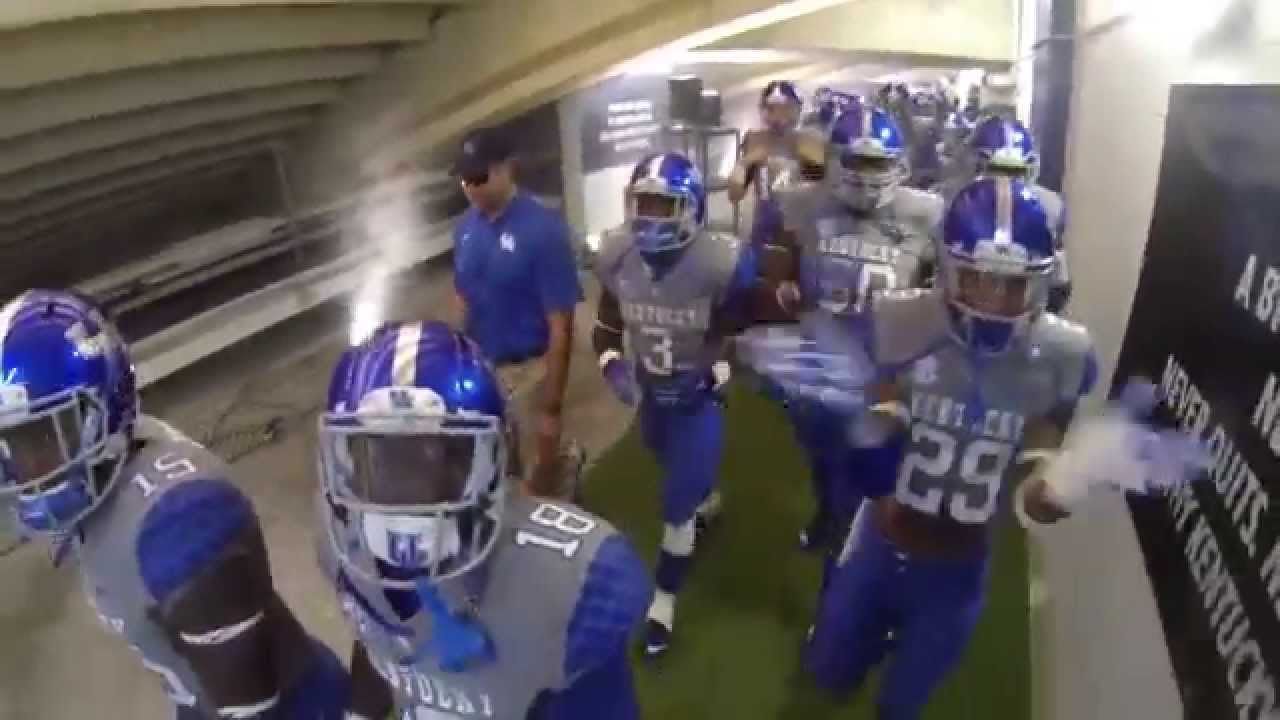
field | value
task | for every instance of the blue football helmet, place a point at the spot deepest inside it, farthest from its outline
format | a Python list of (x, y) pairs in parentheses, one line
[(413, 456), (997, 263), (831, 104), (68, 404), (1004, 146), (871, 155), (666, 206)]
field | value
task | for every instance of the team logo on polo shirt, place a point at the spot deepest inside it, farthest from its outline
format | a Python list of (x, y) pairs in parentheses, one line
[(508, 242)]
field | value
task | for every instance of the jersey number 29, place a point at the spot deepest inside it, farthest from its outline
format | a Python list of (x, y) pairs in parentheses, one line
[(923, 482)]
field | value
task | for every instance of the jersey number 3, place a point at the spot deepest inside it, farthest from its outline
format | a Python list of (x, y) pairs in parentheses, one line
[(659, 360), (923, 483), (570, 526)]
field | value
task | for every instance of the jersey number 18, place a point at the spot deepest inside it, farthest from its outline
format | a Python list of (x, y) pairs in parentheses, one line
[(566, 522)]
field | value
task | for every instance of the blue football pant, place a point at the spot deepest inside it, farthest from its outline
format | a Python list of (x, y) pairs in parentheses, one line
[(322, 693), (687, 443), (882, 602), (823, 436)]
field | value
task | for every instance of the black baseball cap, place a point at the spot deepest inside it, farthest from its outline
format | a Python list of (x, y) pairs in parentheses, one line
[(481, 149)]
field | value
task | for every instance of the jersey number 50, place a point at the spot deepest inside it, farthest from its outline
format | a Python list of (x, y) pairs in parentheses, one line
[(923, 483)]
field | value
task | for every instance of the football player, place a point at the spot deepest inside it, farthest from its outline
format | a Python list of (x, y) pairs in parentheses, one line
[(922, 116), (860, 234), (171, 552), (468, 598), (981, 382), (674, 291), (1004, 147), (775, 159), (828, 105)]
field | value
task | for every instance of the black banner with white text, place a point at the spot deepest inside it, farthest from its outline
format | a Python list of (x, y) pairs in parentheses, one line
[(1205, 325)]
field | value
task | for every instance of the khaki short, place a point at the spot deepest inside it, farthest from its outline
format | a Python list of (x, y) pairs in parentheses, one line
[(523, 383)]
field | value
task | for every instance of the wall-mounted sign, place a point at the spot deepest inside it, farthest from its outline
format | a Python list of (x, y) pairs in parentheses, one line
[(621, 121), (1206, 326)]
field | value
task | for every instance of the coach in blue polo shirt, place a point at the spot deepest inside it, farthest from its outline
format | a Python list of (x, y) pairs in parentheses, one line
[(517, 285)]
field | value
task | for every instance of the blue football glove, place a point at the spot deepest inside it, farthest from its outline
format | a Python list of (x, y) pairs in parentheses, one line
[(458, 643), (619, 376)]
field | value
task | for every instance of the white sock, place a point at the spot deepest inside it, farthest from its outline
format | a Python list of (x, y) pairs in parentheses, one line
[(711, 506), (663, 609), (678, 540)]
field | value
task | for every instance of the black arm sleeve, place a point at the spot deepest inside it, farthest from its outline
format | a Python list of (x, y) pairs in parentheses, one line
[(237, 634), (370, 695), (607, 334)]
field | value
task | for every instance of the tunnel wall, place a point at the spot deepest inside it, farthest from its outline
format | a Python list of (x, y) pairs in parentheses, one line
[(1103, 638)]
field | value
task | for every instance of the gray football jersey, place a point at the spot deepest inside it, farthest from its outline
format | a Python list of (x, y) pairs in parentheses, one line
[(847, 258), (968, 417), (781, 170), (531, 583), (669, 318), (107, 550)]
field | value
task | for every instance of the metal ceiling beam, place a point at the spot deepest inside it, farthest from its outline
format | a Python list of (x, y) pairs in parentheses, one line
[(69, 197), (154, 193), (64, 51), (26, 13), (92, 136), (71, 102), (979, 29), (50, 177)]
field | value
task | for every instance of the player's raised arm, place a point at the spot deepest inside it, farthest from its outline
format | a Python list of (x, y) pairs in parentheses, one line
[(203, 560)]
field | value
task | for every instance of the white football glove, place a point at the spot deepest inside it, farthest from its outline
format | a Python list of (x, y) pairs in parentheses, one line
[(1116, 451), (720, 374)]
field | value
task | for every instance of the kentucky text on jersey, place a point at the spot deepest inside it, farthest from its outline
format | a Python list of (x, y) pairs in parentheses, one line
[(945, 412), (432, 692), (858, 247), (646, 314)]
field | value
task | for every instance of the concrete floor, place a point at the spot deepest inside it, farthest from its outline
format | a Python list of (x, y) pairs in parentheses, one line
[(55, 661)]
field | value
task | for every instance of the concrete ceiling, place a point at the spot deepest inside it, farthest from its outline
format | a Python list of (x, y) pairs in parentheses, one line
[(109, 102)]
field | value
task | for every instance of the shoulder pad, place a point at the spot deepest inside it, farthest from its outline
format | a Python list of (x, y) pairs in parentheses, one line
[(919, 206), (186, 529), (907, 324), (614, 244), (811, 146), (717, 255), (1070, 347), (725, 239)]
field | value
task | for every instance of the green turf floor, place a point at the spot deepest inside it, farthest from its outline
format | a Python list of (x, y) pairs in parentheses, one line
[(751, 593)]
